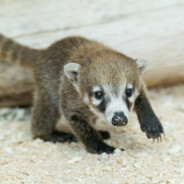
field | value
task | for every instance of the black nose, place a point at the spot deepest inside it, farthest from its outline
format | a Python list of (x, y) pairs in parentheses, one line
[(119, 119)]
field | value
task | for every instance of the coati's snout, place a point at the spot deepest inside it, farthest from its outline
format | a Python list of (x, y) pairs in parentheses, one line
[(119, 119)]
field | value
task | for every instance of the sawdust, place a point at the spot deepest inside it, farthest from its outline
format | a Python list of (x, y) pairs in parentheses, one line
[(23, 160)]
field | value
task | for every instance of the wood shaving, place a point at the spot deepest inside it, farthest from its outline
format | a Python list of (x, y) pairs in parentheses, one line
[(24, 160)]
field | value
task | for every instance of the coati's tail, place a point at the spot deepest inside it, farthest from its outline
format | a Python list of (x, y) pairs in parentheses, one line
[(16, 53)]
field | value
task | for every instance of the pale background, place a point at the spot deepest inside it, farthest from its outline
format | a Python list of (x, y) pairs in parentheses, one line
[(150, 29)]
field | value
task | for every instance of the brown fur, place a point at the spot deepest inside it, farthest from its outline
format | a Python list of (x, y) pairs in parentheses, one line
[(17, 53), (55, 94)]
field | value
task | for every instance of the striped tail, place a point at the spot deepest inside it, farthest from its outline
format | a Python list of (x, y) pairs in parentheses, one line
[(16, 53)]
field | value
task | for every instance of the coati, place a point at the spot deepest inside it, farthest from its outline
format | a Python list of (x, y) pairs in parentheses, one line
[(82, 79)]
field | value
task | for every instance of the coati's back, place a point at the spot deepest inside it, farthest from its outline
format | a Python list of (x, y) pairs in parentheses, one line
[(74, 49), (71, 48)]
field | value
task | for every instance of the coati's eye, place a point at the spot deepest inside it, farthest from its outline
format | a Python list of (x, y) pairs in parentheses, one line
[(99, 95), (129, 92)]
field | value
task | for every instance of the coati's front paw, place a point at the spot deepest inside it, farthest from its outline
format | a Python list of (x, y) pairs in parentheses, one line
[(98, 146), (153, 129)]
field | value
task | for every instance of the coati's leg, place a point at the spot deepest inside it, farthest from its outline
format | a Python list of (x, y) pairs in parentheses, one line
[(148, 120), (89, 136), (104, 134), (58, 136), (45, 115)]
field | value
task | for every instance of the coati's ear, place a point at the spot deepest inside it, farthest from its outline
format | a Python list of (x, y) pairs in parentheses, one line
[(142, 64), (71, 72)]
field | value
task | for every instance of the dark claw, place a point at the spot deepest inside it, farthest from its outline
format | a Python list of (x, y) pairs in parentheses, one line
[(143, 128), (153, 130)]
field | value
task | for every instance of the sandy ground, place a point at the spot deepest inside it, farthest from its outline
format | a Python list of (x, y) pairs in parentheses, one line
[(23, 160)]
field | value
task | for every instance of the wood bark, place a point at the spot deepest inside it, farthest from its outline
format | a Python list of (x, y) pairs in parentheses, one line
[(141, 29), (16, 86)]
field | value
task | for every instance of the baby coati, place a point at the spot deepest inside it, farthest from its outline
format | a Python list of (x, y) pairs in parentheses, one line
[(82, 80)]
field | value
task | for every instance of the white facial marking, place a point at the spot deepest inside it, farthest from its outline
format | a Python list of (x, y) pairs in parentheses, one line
[(131, 99), (86, 99), (116, 104), (136, 92), (96, 88), (108, 90), (129, 86), (96, 101)]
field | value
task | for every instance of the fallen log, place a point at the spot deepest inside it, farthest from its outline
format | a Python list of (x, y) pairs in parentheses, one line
[(16, 86)]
